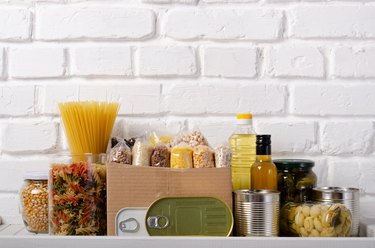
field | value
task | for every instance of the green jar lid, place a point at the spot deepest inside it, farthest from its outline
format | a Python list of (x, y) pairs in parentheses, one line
[(283, 164)]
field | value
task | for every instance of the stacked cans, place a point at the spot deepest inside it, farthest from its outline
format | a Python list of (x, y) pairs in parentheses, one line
[(256, 213), (347, 196)]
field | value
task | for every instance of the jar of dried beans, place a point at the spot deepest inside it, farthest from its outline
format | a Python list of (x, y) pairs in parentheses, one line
[(34, 201)]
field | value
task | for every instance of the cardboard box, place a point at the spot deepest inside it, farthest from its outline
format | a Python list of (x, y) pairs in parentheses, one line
[(129, 186)]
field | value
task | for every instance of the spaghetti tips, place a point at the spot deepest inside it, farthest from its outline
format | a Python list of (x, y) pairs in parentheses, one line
[(88, 125)]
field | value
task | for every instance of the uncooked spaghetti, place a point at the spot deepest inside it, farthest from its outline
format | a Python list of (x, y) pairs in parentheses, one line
[(88, 125)]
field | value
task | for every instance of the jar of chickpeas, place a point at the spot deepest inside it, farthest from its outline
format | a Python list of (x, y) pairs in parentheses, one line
[(34, 201)]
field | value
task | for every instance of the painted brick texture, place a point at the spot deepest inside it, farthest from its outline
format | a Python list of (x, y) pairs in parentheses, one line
[(306, 69)]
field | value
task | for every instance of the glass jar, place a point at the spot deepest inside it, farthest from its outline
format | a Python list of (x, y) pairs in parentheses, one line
[(295, 180), (78, 195), (315, 219), (34, 201), (347, 196)]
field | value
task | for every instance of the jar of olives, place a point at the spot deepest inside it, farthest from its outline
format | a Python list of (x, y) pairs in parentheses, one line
[(315, 219), (295, 180)]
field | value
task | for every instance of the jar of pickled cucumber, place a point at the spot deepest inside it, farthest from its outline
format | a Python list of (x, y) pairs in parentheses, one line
[(295, 180), (315, 219), (34, 201)]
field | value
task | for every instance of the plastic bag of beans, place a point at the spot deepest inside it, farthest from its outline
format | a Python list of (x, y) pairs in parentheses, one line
[(203, 157), (160, 156), (120, 153)]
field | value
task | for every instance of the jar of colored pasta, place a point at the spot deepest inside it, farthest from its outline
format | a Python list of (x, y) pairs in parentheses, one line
[(34, 201), (78, 195)]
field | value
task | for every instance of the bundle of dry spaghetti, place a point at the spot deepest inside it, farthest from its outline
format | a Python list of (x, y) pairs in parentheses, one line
[(88, 125)]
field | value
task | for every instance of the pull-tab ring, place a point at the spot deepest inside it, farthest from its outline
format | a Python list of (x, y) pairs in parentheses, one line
[(125, 225), (154, 222)]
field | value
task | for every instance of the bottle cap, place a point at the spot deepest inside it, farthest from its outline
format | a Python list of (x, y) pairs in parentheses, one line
[(244, 116), (264, 139), (36, 175), (244, 119)]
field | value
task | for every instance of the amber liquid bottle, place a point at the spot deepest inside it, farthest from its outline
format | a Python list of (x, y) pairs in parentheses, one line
[(263, 171)]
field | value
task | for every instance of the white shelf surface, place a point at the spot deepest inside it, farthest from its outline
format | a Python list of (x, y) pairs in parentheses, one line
[(17, 236)]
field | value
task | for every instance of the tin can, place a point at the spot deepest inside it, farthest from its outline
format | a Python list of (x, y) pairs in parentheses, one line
[(256, 213), (131, 222), (347, 196), (189, 216)]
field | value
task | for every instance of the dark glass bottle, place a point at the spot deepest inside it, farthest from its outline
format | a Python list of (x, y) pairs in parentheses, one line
[(263, 171)]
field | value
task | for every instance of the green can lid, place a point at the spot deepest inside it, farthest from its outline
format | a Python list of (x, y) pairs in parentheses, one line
[(293, 163)]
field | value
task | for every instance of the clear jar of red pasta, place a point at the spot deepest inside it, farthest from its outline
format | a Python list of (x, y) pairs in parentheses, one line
[(77, 195)]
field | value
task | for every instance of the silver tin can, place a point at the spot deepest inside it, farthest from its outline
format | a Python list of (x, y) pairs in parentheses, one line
[(256, 213), (347, 196)]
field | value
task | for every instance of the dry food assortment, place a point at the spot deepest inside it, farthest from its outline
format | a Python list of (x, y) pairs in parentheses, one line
[(75, 203), (189, 149)]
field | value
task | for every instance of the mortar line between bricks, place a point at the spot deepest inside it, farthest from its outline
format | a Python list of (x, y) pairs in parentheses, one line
[(228, 116)]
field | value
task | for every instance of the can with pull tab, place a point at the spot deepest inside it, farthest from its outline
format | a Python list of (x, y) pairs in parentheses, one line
[(130, 222), (189, 216)]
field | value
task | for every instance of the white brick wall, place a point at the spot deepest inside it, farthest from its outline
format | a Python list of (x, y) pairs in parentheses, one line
[(17, 100), (296, 61), (36, 62), (223, 24), (306, 69), (15, 23), (229, 62), (102, 22), (354, 62), (101, 61), (333, 22), (36, 136), (160, 61)]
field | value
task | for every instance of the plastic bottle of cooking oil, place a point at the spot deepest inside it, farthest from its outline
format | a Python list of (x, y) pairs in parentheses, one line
[(243, 144)]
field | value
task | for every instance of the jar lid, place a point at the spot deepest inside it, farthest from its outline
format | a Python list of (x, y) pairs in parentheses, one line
[(35, 175), (293, 163), (334, 193)]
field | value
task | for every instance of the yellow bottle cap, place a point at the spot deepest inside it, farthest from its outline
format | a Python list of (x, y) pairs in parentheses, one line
[(244, 116)]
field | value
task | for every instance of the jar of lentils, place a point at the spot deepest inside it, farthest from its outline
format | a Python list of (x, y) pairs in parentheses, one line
[(34, 201)]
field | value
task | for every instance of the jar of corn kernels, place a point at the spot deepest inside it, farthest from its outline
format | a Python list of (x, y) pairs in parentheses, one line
[(34, 201)]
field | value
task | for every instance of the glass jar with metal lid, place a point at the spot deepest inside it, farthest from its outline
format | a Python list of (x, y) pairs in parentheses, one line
[(295, 179), (315, 219), (347, 196), (34, 201)]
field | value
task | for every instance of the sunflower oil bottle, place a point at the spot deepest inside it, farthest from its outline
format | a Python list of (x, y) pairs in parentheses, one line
[(243, 144)]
